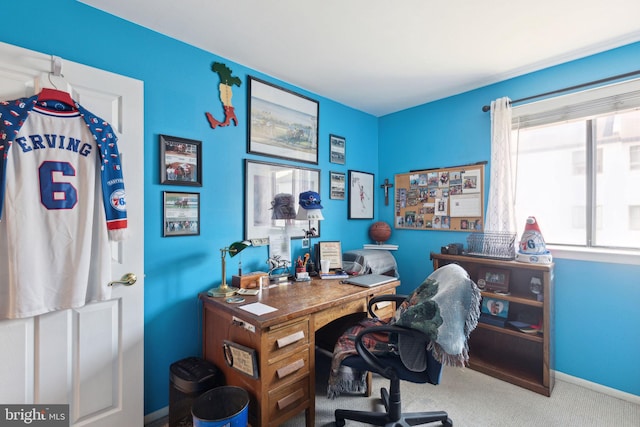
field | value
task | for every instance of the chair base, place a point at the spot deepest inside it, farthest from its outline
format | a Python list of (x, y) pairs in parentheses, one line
[(392, 417)]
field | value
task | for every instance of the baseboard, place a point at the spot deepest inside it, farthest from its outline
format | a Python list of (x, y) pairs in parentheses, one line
[(598, 387), (156, 415)]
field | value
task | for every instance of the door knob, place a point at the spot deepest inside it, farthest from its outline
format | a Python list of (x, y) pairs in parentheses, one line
[(127, 280)]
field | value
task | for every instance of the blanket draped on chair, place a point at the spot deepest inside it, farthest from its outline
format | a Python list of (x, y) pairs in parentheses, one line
[(445, 307)]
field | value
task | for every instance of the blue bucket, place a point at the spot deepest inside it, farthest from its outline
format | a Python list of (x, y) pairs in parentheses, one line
[(225, 406)]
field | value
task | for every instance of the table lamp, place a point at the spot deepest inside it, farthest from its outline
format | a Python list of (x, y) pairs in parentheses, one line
[(310, 210), (233, 249)]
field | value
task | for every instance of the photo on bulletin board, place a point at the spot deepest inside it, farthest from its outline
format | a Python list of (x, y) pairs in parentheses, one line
[(444, 199), (360, 195)]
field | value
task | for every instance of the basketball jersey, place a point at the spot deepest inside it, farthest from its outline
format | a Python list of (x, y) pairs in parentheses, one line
[(61, 200)]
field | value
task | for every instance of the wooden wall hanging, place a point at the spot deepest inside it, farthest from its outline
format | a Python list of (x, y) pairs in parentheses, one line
[(450, 199)]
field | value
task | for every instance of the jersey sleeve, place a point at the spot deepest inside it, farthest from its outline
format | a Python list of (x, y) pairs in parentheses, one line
[(12, 117), (113, 191)]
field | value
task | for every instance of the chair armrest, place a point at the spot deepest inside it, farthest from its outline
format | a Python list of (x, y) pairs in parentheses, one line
[(371, 359), (386, 297)]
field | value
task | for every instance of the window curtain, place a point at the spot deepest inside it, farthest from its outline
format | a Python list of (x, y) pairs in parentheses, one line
[(501, 206)]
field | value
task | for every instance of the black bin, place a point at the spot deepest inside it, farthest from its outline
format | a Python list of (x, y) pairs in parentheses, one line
[(188, 379)]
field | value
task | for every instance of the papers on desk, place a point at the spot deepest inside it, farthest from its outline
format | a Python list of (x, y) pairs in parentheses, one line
[(258, 308)]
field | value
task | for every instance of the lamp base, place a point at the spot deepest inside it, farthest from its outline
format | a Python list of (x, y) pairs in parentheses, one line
[(222, 291)]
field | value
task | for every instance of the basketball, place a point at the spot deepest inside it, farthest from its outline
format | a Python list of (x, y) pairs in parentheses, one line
[(380, 231)]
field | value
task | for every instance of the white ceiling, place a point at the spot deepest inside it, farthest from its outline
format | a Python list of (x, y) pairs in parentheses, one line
[(382, 56)]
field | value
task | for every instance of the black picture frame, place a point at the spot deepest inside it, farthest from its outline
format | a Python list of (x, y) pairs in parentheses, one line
[(281, 123), (337, 149), (337, 185), (180, 161), (361, 195), (180, 214), (493, 279)]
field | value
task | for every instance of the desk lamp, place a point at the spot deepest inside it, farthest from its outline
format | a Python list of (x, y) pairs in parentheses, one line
[(310, 210), (233, 249)]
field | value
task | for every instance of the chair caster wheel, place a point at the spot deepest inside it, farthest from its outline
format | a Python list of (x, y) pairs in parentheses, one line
[(447, 423), (340, 423)]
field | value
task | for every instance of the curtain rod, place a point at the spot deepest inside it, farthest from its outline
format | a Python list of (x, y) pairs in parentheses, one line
[(486, 108)]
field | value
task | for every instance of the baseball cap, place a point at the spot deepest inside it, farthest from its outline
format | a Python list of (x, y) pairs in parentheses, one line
[(310, 200), (283, 206)]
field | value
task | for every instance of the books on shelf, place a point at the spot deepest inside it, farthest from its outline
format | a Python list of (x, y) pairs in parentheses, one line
[(492, 320), (525, 327), (386, 247)]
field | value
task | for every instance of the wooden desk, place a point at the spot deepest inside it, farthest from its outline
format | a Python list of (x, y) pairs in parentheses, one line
[(284, 341)]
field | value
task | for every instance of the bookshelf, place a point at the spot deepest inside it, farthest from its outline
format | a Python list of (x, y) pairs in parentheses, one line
[(520, 358)]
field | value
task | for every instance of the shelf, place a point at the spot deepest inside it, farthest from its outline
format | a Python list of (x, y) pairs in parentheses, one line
[(503, 352), (520, 300), (512, 332), (514, 374)]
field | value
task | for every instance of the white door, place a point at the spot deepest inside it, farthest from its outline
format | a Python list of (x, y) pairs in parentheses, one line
[(90, 358)]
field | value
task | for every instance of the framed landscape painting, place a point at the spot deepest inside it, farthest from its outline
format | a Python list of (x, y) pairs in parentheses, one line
[(281, 123)]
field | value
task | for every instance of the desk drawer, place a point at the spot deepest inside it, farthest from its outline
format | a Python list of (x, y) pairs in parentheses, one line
[(287, 339), (288, 369), (328, 315), (288, 400), (384, 309)]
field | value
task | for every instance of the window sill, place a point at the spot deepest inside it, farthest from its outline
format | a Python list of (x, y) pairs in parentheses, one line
[(615, 256)]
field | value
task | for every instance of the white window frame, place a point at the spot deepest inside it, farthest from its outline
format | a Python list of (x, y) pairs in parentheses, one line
[(581, 105)]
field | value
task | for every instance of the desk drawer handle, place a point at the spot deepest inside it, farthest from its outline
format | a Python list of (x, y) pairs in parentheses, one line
[(290, 369), (382, 304), (290, 339), (288, 400)]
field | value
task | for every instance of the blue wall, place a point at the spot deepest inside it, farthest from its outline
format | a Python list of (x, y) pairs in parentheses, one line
[(180, 87), (595, 306)]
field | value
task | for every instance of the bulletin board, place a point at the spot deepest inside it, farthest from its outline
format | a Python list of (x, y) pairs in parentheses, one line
[(445, 199)]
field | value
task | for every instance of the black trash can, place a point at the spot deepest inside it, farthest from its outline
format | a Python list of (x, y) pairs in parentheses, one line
[(188, 379)]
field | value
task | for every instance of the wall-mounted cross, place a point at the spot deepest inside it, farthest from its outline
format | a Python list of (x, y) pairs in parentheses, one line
[(386, 187)]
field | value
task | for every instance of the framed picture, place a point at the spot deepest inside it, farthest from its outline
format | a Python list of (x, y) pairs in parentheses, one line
[(337, 185), (180, 161), (337, 149), (181, 214), (493, 279), (271, 199), (281, 123), (331, 251), (495, 307), (360, 195)]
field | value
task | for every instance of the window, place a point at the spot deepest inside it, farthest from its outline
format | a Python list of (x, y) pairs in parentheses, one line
[(634, 157), (578, 163)]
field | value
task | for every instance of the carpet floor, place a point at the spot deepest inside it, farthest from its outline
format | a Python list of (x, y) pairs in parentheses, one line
[(473, 399)]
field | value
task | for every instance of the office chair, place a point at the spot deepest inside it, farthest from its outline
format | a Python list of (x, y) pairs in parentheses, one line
[(431, 326), (390, 366)]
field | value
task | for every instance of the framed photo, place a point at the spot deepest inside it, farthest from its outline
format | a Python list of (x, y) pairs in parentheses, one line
[(271, 194), (495, 307), (337, 149), (331, 251), (281, 123), (360, 195), (180, 161), (241, 358), (337, 185), (493, 279), (181, 214)]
